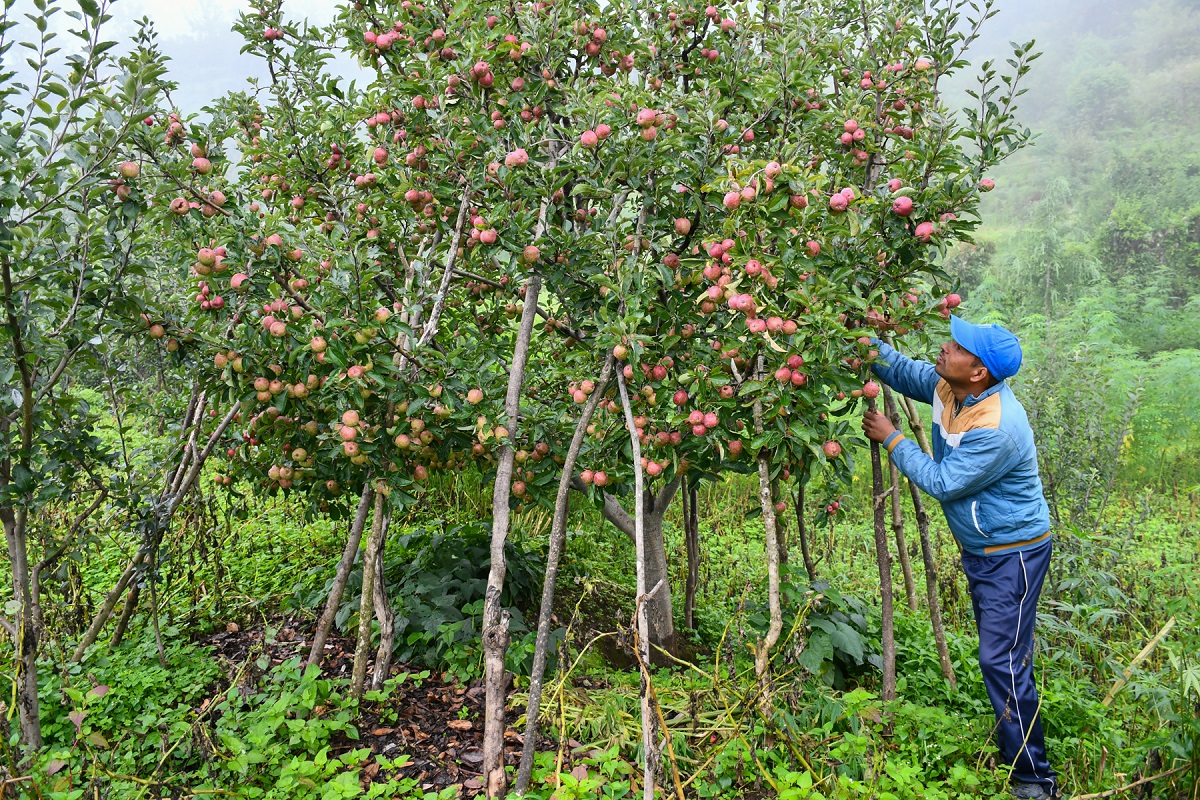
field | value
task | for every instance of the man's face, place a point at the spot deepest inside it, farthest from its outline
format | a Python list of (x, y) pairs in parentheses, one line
[(958, 365)]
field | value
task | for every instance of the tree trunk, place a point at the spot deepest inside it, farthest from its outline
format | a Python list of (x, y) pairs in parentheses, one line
[(325, 623), (383, 613), (884, 560), (366, 606), (495, 617), (173, 488), (1048, 291), (15, 520), (642, 622), (662, 620), (25, 643), (691, 534), (52, 558), (558, 538), (802, 531), (659, 606)]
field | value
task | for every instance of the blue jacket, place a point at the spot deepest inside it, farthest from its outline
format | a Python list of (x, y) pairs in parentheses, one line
[(984, 469)]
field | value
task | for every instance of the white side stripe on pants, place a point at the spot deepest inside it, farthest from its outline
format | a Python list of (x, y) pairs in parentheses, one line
[(1012, 674)]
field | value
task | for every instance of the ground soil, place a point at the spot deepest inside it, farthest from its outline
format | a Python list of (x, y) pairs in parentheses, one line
[(444, 743)]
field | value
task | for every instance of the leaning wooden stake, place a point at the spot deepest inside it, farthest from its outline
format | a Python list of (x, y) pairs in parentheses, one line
[(1138, 659), (172, 495), (131, 603), (649, 745), (931, 587), (366, 606), (325, 623), (691, 534), (558, 538), (658, 715), (884, 560), (910, 586), (1125, 789), (781, 533), (495, 617), (932, 598), (762, 648)]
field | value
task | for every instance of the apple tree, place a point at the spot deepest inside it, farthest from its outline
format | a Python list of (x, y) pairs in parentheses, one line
[(73, 252), (703, 206)]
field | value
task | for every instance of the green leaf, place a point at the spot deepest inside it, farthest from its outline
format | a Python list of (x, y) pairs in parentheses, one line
[(817, 651)]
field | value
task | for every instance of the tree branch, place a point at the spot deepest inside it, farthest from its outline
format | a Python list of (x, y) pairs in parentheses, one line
[(439, 302), (300, 301)]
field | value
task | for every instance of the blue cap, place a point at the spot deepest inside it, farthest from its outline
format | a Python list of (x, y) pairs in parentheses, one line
[(995, 346)]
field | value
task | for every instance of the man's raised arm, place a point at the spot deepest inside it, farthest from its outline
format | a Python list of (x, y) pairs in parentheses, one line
[(982, 457), (915, 379)]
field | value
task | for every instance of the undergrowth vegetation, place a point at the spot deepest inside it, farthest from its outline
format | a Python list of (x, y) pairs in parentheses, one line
[(201, 688), (268, 728)]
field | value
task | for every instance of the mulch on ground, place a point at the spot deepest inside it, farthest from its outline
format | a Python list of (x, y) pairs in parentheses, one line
[(444, 744)]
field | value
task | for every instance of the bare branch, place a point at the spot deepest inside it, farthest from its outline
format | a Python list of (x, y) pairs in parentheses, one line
[(439, 302), (199, 461)]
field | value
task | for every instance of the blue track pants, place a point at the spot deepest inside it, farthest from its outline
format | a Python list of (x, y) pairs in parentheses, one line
[(1004, 593)]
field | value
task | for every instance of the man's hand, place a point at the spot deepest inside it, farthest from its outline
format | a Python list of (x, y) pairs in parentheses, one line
[(877, 426)]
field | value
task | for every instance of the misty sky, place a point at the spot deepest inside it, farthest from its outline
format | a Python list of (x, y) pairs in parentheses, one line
[(195, 34), (205, 61)]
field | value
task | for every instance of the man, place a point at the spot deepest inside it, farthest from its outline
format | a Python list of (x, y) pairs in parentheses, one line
[(984, 472)]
